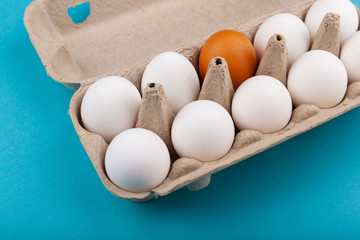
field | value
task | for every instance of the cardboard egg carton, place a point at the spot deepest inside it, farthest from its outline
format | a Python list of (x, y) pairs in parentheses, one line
[(121, 36)]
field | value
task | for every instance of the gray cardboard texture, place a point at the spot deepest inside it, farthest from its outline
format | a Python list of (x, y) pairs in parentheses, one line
[(274, 61), (121, 36), (217, 85), (156, 115), (328, 36)]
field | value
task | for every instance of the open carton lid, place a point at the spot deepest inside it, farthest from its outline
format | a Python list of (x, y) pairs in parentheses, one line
[(121, 36)]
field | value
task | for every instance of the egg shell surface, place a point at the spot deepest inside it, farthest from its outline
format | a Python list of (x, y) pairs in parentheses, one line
[(350, 56), (137, 160), (176, 74), (349, 19), (110, 106), (237, 50), (293, 29), (203, 130), (318, 77), (262, 103)]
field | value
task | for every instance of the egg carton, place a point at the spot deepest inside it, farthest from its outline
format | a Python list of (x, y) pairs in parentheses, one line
[(120, 37)]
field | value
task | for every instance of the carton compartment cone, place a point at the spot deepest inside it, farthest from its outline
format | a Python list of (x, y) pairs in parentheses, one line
[(275, 59), (157, 115), (217, 85), (328, 35)]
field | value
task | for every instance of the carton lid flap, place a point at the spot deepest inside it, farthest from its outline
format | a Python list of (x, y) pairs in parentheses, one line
[(121, 35)]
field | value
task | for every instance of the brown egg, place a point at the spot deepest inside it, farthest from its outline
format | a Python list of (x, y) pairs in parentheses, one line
[(237, 50)]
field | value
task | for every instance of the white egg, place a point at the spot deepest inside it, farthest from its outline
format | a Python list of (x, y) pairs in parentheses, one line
[(110, 106), (350, 56), (291, 27), (318, 77), (203, 130), (177, 75), (262, 103), (137, 160), (349, 19)]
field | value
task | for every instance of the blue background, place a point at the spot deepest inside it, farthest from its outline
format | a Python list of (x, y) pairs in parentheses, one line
[(305, 188)]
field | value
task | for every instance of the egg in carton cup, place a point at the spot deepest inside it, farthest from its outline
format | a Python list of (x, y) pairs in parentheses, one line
[(120, 37)]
